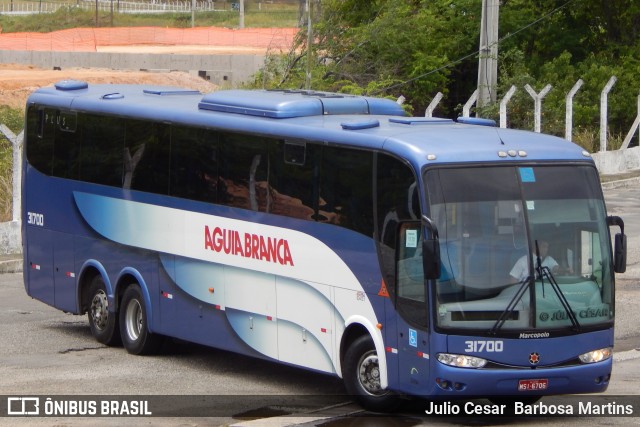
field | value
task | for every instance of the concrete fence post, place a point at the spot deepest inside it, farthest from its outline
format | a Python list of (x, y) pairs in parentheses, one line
[(467, 107), (568, 124), (636, 122), (433, 104), (537, 100), (503, 106), (604, 100)]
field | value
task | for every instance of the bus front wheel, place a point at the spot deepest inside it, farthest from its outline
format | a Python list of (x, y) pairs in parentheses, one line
[(102, 322), (136, 337), (361, 374)]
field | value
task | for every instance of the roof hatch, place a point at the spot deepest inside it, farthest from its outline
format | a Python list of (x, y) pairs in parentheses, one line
[(476, 121), (282, 104), (67, 85)]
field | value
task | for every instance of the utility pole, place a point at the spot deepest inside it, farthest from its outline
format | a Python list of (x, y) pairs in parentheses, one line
[(488, 53), (241, 14), (193, 13), (307, 84)]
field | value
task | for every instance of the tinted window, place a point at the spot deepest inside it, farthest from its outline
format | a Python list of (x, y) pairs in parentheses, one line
[(194, 164), (244, 166), (346, 189), (66, 148), (293, 179), (146, 156), (397, 200), (40, 137), (101, 155)]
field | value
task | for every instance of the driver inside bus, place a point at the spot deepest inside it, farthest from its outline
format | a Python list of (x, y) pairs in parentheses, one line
[(520, 270)]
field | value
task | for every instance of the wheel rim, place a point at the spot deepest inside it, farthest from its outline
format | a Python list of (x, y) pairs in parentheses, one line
[(369, 373), (133, 320), (100, 310)]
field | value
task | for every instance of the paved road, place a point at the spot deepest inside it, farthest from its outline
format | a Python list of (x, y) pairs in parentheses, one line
[(46, 352)]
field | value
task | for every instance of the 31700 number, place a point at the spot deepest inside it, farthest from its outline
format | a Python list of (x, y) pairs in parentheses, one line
[(479, 346)]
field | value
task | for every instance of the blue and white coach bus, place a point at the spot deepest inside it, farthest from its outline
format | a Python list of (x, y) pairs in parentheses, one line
[(406, 255)]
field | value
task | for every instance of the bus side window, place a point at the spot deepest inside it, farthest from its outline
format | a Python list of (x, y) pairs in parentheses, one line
[(244, 166), (293, 179), (102, 144), (66, 148), (146, 156), (194, 164), (40, 137), (396, 201), (345, 196)]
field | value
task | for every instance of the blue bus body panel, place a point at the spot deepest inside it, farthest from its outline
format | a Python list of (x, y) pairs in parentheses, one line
[(197, 292)]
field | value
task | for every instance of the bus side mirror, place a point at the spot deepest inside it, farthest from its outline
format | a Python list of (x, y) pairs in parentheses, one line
[(620, 245), (620, 253), (431, 250)]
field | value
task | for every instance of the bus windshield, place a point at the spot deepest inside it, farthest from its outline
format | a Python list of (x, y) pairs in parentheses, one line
[(501, 227)]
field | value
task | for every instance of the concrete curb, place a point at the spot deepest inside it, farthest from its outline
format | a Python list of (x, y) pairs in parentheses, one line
[(11, 266), (626, 355), (622, 183)]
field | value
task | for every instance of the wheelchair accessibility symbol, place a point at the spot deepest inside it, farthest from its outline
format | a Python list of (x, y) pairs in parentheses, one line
[(413, 338)]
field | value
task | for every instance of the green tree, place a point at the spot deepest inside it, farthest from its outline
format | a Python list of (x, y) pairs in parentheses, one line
[(417, 48)]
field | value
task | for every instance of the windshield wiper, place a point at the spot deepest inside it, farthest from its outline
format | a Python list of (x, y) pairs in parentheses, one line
[(542, 272), (511, 306), (524, 286), (546, 272)]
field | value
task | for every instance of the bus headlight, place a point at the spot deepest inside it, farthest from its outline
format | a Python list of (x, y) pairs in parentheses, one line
[(461, 361), (596, 355)]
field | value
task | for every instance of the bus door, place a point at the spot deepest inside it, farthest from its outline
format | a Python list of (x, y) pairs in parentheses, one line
[(411, 308)]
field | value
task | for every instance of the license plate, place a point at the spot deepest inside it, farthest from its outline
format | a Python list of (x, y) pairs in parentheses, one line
[(532, 385)]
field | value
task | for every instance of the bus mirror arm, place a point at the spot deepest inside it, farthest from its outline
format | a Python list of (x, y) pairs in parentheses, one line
[(620, 245), (430, 250)]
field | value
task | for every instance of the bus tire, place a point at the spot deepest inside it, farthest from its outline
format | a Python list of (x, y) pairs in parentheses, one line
[(136, 337), (102, 322), (361, 376)]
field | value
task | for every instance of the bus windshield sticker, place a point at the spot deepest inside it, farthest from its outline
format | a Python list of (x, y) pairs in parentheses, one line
[(411, 239), (527, 175)]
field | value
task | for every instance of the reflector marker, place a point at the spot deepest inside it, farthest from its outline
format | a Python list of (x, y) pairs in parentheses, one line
[(391, 350)]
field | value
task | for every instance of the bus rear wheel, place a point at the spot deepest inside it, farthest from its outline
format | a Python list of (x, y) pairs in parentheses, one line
[(136, 337), (102, 322), (361, 375)]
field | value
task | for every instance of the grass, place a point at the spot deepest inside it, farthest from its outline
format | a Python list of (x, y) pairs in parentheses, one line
[(285, 15)]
